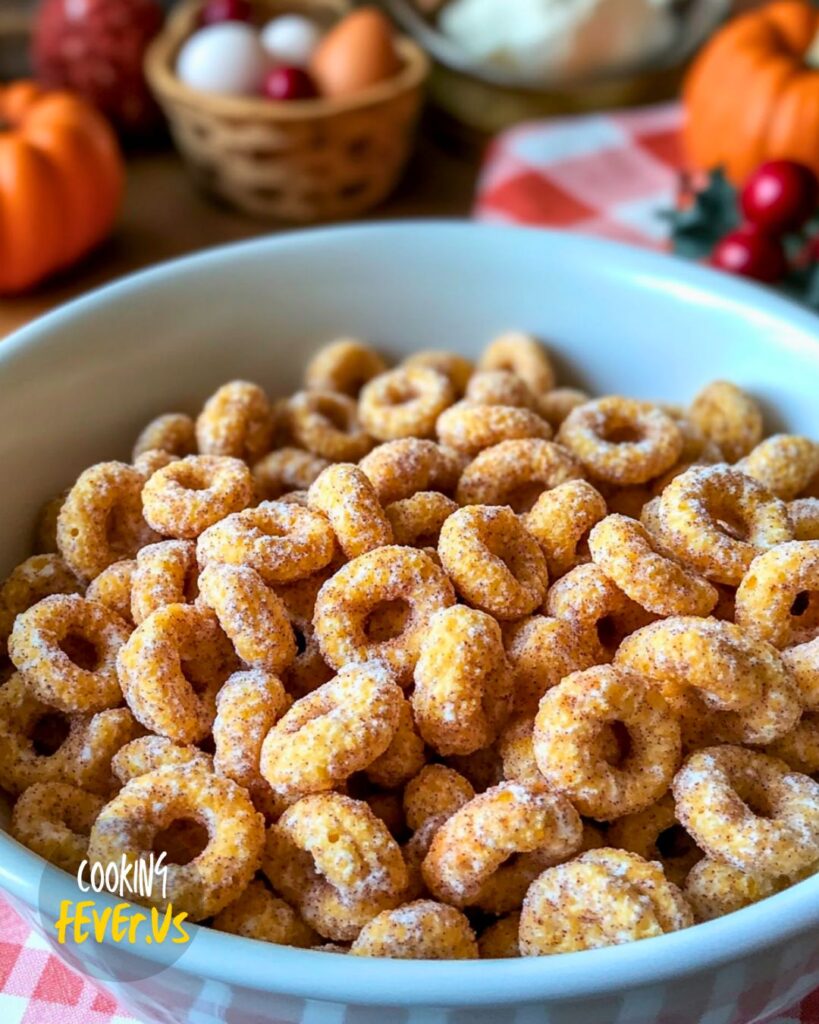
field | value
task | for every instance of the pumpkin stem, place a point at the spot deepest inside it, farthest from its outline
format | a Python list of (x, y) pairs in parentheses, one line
[(812, 53)]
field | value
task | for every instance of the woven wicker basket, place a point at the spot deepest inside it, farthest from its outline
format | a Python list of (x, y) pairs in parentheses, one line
[(305, 161)]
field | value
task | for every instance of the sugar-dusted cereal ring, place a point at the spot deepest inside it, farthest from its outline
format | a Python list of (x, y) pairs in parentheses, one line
[(166, 573), (347, 602), (327, 424), (147, 753), (416, 521), (149, 804), (602, 898), (236, 421), (281, 541), (749, 809), (45, 531), (66, 649), (54, 820), (556, 404), (152, 461), (516, 473), (101, 520), (308, 670), (404, 402), (656, 835), (767, 596), (344, 494), (189, 495), (336, 730), (403, 757), (560, 519), (717, 520), (172, 668), (783, 463), (435, 792), (623, 549), (336, 862), (113, 588), (714, 888), (344, 365), (804, 516), (174, 432), (421, 930), (399, 469), (468, 851), (500, 940), (517, 750), (259, 914), (31, 581), (495, 564), (499, 387), (542, 651), (728, 416), (454, 367), (468, 427), (463, 681), (251, 614), (284, 470), (572, 718), (621, 440), (522, 355)]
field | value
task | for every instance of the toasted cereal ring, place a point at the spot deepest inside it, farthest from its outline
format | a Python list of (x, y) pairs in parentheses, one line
[(45, 532), (174, 432), (466, 858), (257, 913), (767, 596), (462, 681), (247, 707), (435, 792), (66, 648), (337, 884), (799, 748), (40, 744), (517, 751), (560, 519), (399, 469), (804, 517), (568, 727), (454, 367), (701, 512), (729, 417), (54, 820), (336, 730), (803, 663), (148, 804), (494, 563), (152, 461), (622, 548), (113, 588), (621, 440), (147, 753), (714, 888), (236, 421), (344, 365), (516, 473), (403, 757), (101, 520), (171, 670), (404, 402), (555, 405), (327, 424), (500, 940), (524, 356), (347, 498), (416, 522), (347, 602), (783, 463), (602, 898), (38, 577), (286, 469), (470, 428), (166, 573), (309, 669), (250, 613), (414, 852), (656, 835), (542, 651), (499, 387), (421, 930), (749, 809), (189, 495)]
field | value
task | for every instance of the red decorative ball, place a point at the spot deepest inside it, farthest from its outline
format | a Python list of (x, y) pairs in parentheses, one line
[(96, 48), (216, 11), (289, 83), (751, 252), (780, 195)]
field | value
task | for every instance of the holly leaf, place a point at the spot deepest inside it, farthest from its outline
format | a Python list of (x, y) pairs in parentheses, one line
[(703, 216)]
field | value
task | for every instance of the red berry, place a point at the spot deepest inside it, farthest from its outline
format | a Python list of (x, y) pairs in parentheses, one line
[(780, 195), (750, 252), (216, 11), (289, 83)]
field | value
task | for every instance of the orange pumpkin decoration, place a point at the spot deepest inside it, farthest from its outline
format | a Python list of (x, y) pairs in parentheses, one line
[(753, 92), (61, 181)]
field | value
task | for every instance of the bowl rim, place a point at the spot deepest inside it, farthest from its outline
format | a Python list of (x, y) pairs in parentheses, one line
[(352, 980)]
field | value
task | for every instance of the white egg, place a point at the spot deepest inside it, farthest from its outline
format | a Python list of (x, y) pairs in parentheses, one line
[(290, 39), (227, 58)]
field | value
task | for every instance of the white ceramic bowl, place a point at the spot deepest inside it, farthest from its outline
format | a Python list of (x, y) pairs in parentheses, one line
[(76, 386)]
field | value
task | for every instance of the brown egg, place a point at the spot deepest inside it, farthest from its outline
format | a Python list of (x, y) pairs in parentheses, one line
[(356, 53)]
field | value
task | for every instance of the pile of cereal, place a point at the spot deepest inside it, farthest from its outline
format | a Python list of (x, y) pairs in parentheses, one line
[(438, 661)]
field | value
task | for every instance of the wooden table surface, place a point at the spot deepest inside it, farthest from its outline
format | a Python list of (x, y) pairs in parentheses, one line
[(165, 216)]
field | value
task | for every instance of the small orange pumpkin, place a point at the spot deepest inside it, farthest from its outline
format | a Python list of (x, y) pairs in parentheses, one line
[(753, 92), (61, 181)]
